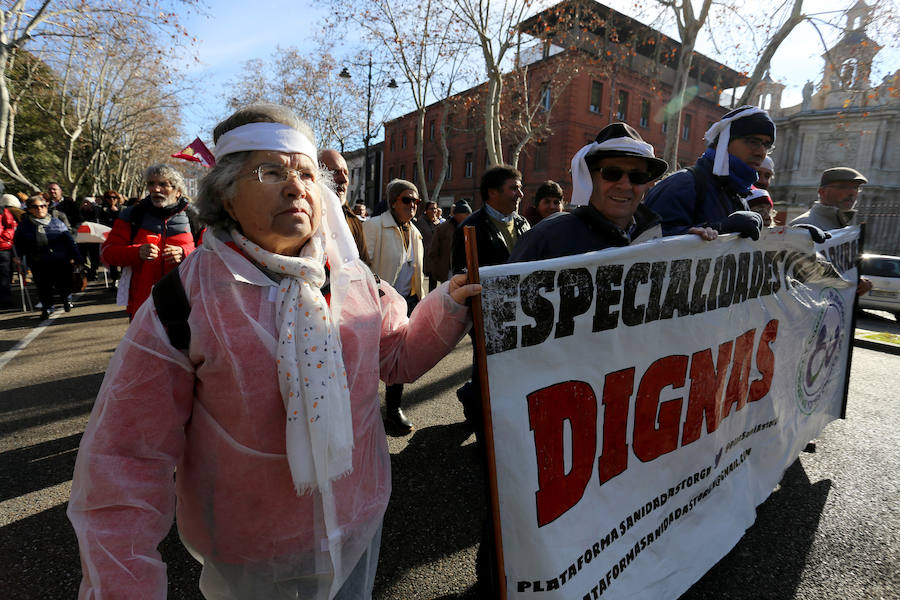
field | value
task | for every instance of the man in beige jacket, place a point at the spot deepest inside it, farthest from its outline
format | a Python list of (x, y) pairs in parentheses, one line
[(396, 252)]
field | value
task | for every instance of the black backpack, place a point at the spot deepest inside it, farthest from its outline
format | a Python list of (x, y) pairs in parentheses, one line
[(173, 308)]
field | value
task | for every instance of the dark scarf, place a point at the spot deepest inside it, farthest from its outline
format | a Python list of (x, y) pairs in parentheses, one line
[(740, 175), (164, 212)]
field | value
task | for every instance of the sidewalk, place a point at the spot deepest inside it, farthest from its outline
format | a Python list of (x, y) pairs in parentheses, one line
[(877, 340)]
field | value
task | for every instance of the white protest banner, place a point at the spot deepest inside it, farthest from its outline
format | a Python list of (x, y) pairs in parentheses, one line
[(646, 399)]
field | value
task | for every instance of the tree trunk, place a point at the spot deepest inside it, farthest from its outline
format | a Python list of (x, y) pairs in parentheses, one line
[(769, 51), (420, 146), (492, 119), (673, 120)]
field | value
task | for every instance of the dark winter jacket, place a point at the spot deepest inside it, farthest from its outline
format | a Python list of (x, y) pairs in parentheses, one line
[(492, 248), (583, 230), (60, 245), (683, 202), (70, 208)]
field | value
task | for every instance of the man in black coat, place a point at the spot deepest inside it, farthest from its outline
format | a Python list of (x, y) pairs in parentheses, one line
[(497, 224), (498, 228)]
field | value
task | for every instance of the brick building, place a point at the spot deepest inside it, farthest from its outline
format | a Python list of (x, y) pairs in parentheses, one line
[(632, 85)]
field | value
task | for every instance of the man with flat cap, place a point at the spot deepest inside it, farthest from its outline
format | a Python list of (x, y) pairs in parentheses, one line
[(609, 179), (710, 193), (838, 192)]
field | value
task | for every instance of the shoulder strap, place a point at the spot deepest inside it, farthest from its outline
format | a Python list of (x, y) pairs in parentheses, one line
[(173, 307), (136, 218)]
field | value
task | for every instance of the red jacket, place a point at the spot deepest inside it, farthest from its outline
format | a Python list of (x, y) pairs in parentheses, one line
[(7, 229), (162, 227)]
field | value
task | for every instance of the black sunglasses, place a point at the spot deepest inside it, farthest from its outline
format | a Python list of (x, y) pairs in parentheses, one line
[(615, 174), (408, 199)]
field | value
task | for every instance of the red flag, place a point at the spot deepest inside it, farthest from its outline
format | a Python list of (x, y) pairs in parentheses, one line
[(197, 151)]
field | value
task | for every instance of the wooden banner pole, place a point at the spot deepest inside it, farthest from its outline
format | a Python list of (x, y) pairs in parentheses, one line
[(481, 357)]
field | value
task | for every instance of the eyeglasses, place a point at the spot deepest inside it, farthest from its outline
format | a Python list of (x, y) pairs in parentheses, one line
[(408, 199), (757, 143), (615, 174), (269, 173)]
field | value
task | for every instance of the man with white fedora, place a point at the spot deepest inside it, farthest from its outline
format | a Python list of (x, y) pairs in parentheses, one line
[(609, 179)]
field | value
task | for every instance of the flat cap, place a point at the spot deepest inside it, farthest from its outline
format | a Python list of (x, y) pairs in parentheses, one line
[(838, 174)]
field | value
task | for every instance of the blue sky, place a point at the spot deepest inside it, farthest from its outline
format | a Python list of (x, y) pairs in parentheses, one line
[(234, 32), (238, 31)]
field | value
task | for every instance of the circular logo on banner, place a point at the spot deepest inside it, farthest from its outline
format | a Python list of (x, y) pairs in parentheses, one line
[(821, 352)]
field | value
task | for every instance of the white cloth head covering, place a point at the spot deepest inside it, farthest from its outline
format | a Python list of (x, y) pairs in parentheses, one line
[(264, 136), (721, 129), (582, 185), (768, 163)]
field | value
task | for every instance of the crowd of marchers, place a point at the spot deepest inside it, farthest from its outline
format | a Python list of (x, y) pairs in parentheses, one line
[(288, 305)]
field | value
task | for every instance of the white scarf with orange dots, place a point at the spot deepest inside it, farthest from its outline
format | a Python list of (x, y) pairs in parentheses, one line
[(311, 375)]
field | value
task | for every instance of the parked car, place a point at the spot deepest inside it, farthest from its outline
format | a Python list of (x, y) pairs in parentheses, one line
[(884, 273)]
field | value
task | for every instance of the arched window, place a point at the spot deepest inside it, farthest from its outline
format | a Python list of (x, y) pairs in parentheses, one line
[(848, 72)]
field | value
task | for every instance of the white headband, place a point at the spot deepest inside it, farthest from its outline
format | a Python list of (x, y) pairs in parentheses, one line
[(722, 130), (582, 187), (264, 136)]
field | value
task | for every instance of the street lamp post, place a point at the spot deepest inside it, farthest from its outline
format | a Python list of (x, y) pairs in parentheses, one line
[(368, 137)]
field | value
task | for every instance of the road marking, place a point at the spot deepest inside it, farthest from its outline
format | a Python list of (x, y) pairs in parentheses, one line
[(11, 353), (32, 503)]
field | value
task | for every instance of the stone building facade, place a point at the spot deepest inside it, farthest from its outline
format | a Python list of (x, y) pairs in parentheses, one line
[(844, 121)]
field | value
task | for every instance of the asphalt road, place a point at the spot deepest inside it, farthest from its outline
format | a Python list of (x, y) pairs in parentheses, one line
[(830, 530)]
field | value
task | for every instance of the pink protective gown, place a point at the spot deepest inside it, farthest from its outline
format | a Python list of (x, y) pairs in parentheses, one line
[(217, 416)]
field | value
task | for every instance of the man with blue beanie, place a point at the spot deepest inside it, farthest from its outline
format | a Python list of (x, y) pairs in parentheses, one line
[(711, 192)]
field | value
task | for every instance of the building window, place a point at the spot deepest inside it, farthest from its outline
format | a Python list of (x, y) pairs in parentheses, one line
[(402, 171), (449, 168), (390, 173), (403, 140), (622, 106), (596, 97), (665, 124), (414, 171), (545, 97), (686, 127), (645, 113), (540, 156), (392, 142), (430, 171), (431, 130), (468, 174)]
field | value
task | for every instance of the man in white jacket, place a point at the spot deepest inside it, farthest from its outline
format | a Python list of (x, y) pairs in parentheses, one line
[(395, 248)]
